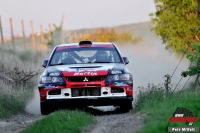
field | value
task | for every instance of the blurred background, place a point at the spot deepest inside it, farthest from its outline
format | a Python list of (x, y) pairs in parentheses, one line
[(31, 28)]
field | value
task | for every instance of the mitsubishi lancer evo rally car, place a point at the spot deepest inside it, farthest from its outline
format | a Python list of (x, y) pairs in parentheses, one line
[(85, 74)]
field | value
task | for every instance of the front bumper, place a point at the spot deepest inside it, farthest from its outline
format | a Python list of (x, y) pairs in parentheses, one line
[(86, 92), (93, 101)]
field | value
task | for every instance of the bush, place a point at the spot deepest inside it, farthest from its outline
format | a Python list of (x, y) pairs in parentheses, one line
[(109, 35), (16, 82), (160, 112), (150, 96), (11, 105)]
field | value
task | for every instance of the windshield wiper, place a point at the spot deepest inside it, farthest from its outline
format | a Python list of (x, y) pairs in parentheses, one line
[(98, 62), (56, 64), (102, 62)]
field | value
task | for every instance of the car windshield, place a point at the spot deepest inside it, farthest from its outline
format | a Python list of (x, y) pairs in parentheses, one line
[(85, 55)]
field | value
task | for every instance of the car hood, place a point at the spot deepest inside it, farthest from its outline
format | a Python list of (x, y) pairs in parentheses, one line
[(86, 69)]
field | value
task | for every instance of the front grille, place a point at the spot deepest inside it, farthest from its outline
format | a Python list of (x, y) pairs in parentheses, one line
[(86, 85), (86, 92), (85, 79)]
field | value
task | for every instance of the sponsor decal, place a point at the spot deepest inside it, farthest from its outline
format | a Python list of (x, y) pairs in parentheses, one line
[(41, 93), (53, 96), (84, 69), (120, 84), (116, 72), (130, 89), (50, 86), (183, 115), (54, 74), (85, 73), (87, 69), (77, 69), (61, 68)]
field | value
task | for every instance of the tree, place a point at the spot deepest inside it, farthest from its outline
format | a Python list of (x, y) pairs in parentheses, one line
[(56, 35), (60, 27), (176, 21), (194, 58)]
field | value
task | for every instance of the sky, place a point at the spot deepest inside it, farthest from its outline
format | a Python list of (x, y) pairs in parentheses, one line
[(81, 14), (78, 14)]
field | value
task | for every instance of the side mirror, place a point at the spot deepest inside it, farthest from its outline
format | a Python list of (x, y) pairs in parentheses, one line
[(44, 64), (126, 61)]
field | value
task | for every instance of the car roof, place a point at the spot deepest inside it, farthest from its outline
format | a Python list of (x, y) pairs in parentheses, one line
[(94, 44)]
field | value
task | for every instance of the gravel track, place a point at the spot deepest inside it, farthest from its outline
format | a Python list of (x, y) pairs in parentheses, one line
[(17, 123), (109, 121), (116, 122)]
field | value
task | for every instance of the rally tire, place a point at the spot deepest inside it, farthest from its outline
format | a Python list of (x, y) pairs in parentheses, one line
[(45, 108), (126, 107)]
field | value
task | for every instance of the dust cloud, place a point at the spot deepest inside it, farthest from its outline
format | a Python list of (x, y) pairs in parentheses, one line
[(33, 105), (148, 62)]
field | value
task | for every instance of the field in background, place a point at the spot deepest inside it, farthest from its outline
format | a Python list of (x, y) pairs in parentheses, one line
[(20, 67), (149, 62), (146, 54), (57, 35)]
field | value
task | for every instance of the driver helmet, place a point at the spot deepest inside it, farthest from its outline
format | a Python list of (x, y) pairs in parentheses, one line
[(101, 56)]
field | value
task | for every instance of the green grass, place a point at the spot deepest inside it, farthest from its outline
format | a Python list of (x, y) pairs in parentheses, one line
[(63, 121), (10, 105), (161, 110)]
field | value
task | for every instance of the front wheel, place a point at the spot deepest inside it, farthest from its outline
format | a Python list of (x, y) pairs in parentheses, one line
[(126, 107), (45, 108)]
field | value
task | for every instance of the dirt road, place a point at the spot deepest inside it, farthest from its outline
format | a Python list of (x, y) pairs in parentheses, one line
[(112, 121), (116, 122), (17, 123)]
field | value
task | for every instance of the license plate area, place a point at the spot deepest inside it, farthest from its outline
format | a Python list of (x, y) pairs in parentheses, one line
[(76, 92)]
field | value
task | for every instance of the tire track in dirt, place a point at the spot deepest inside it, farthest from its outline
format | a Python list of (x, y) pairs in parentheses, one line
[(116, 122)]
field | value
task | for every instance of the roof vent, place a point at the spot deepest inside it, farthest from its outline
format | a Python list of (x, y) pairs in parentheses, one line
[(85, 43)]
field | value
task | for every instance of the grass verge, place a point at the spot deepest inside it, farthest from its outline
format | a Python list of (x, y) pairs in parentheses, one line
[(161, 108), (16, 81), (63, 121), (12, 104)]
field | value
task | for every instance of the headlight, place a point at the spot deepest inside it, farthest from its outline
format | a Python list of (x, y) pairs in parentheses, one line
[(124, 76), (119, 77), (52, 79), (115, 77)]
